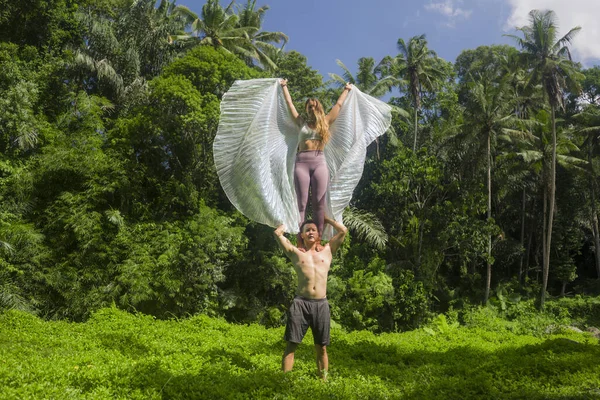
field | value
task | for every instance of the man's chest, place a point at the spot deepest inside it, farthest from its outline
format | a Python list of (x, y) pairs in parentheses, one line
[(311, 264)]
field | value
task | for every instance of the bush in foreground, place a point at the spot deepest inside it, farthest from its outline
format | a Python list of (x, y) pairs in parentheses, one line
[(119, 355)]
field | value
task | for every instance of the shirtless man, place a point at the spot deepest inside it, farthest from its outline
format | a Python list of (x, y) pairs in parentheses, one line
[(310, 306)]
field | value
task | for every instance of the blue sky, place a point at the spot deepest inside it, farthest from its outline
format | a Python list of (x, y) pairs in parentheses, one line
[(326, 30)]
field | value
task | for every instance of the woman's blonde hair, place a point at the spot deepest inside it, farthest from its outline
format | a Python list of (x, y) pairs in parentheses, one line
[(318, 117)]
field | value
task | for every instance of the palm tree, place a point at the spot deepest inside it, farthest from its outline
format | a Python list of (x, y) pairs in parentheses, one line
[(542, 155), (121, 53), (489, 111), (369, 78), (262, 41), (490, 116), (549, 61), (590, 121), (417, 65), (218, 27), (238, 33), (158, 32)]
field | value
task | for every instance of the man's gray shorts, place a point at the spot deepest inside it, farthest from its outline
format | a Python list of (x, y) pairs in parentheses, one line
[(308, 312)]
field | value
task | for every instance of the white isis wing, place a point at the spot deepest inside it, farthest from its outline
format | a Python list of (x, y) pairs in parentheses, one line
[(254, 152), (361, 120)]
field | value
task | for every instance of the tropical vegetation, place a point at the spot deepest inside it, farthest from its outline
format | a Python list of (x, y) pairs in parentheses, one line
[(484, 189)]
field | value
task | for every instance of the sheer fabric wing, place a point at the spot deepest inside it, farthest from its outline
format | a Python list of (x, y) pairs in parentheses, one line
[(254, 152), (361, 120)]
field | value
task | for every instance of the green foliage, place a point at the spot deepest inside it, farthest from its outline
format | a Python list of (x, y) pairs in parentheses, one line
[(303, 81), (591, 84), (366, 227), (412, 300), (426, 218), (159, 268), (45, 24), (120, 355), (584, 311), (173, 268), (440, 325), (23, 83), (108, 192), (210, 71), (369, 293)]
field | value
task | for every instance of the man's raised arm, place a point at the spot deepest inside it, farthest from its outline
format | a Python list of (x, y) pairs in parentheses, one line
[(337, 240), (287, 246)]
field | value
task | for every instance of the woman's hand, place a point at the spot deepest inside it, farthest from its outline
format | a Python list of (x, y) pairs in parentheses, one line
[(283, 82), (348, 86)]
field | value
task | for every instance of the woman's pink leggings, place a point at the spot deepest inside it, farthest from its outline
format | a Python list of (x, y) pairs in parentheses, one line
[(311, 172)]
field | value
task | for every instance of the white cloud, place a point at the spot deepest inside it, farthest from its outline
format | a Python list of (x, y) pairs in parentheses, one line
[(571, 13), (450, 9)]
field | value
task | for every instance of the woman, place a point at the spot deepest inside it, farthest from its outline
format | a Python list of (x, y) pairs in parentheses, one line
[(258, 139), (310, 169)]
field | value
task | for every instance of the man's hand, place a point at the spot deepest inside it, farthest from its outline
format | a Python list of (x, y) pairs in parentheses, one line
[(337, 240), (284, 243), (280, 230)]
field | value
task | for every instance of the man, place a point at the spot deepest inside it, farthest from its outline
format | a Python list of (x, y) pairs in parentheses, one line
[(310, 306)]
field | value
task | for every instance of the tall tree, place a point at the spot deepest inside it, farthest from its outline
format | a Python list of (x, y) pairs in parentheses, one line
[(303, 81), (120, 53), (238, 33), (489, 115), (156, 31), (589, 120), (417, 65), (48, 25), (218, 27), (369, 78), (540, 154), (262, 41), (591, 85), (549, 60)]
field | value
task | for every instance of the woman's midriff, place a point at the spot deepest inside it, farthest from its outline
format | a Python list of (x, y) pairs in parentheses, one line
[(309, 145)]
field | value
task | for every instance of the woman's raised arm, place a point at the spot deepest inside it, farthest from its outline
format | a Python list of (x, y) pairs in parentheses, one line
[(335, 110), (290, 103)]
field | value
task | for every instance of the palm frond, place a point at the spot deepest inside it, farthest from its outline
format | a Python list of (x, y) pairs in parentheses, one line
[(366, 227)]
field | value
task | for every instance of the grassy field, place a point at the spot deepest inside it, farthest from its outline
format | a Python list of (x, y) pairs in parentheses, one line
[(118, 355)]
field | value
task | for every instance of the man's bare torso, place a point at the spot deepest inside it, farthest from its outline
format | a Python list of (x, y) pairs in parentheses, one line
[(312, 268)]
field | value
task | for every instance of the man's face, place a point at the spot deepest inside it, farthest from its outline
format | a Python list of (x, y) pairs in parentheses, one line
[(310, 234)]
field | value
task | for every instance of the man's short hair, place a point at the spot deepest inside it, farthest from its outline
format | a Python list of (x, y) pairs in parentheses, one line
[(309, 221)]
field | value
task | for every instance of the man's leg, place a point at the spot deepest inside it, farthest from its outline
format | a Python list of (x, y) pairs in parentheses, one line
[(322, 360), (287, 363), (295, 329), (320, 324)]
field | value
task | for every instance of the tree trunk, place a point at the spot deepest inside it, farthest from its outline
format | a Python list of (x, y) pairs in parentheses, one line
[(416, 128), (594, 215), (551, 201), (596, 240), (528, 253), (544, 228), (420, 246), (522, 238), (563, 289), (488, 280)]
